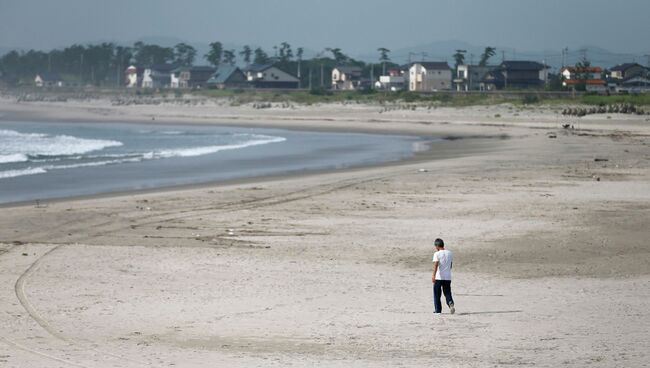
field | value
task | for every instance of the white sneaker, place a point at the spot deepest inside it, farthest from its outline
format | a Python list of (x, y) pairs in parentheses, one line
[(452, 309)]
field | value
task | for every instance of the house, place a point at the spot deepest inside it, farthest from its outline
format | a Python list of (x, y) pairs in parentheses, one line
[(589, 77), (227, 76), (269, 76), (133, 76), (634, 84), (469, 77), (157, 76), (428, 76), (394, 81), (346, 77), (48, 79), (191, 76), (627, 70), (516, 74)]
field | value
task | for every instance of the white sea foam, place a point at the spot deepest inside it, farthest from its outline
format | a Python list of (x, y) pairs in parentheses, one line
[(33, 145), (64, 148), (13, 157), (257, 140), (21, 172)]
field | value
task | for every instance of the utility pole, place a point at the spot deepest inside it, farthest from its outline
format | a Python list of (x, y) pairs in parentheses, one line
[(119, 69), (81, 68), (372, 76), (322, 75), (299, 75), (310, 74), (503, 55), (411, 54)]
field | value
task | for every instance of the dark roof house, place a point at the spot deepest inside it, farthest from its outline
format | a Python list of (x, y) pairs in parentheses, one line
[(346, 77), (628, 70), (194, 76), (48, 79), (516, 74), (270, 76), (433, 65), (227, 76)]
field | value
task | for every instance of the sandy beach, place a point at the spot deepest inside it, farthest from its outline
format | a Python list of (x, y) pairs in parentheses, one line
[(549, 227)]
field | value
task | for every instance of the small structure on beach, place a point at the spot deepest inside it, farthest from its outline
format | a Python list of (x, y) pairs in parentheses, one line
[(48, 79), (227, 76), (270, 76), (429, 76)]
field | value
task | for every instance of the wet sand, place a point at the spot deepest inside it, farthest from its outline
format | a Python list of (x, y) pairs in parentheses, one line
[(333, 268)]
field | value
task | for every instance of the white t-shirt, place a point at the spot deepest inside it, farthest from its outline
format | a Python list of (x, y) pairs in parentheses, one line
[(444, 259)]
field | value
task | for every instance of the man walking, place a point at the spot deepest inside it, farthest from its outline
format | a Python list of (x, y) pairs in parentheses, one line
[(441, 278)]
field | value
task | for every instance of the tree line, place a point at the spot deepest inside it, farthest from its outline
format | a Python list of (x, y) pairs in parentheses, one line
[(104, 64)]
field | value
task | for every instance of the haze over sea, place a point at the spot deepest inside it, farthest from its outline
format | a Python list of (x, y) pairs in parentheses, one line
[(52, 160)]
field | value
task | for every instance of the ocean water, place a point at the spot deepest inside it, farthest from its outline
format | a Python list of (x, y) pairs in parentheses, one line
[(53, 160)]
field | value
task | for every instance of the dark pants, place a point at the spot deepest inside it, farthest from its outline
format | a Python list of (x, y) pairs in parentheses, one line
[(445, 285)]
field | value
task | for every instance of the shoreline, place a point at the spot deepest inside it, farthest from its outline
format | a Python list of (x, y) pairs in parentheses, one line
[(451, 145), (476, 145)]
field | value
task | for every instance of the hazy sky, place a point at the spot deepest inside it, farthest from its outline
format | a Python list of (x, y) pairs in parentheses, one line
[(356, 26)]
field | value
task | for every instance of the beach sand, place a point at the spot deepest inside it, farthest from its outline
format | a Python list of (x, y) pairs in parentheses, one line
[(332, 269)]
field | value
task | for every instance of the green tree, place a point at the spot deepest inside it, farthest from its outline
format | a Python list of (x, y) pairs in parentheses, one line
[(338, 55), (214, 55), (383, 58), (286, 54), (582, 74), (229, 57), (260, 56), (184, 54), (459, 57), (152, 54), (486, 55), (246, 54)]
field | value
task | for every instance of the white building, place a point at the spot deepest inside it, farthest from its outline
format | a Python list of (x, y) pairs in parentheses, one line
[(589, 77), (394, 81), (429, 77), (158, 76), (346, 77), (469, 77), (131, 77), (48, 80)]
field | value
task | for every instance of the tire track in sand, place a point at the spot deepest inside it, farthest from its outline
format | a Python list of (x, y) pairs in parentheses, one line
[(19, 288)]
